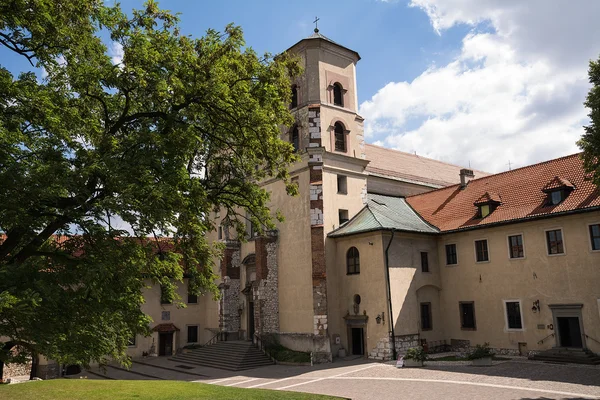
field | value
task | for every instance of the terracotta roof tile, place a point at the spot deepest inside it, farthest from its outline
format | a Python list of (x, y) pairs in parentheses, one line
[(453, 208), (411, 167), (169, 327), (557, 183), (488, 197)]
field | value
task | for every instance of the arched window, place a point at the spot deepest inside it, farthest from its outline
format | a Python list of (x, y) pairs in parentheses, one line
[(295, 138), (294, 103), (352, 261), (338, 99), (340, 137)]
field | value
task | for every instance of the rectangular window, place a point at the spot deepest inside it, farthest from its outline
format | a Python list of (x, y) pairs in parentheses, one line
[(192, 298), (343, 215), (163, 296), (192, 336), (131, 342), (220, 232), (555, 242), (165, 316), (481, 251), (467, 314), (595, 236), (342, 184), (515, 246), (424, 262), (513, 315), (426, 324), (451, 258)]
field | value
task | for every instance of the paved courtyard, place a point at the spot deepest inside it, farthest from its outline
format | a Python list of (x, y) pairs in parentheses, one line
[(360, 379)]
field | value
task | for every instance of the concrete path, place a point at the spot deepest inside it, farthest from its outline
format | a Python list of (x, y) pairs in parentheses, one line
[(361, 379)]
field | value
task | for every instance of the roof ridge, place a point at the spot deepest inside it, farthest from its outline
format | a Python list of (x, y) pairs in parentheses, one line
[(418, 156), (498, 174)]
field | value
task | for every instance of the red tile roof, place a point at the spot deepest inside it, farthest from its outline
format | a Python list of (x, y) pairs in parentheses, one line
[(411, 167), (557, 183), (488, 197), (520, 191), (165, 328)]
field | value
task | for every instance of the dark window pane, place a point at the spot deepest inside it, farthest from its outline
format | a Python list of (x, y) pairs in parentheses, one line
[(555, 242), (426, 316), (451, 254), (424, 262), (192, 336), (340, 137), (513, 315), (352, 261), (295, 139), (481, 250), (294, 103), (338, 100), (515, 244), (192, 298), (163, 296), (595, 236)]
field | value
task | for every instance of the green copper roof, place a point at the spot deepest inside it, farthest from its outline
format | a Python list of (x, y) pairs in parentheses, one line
[(384, 213)]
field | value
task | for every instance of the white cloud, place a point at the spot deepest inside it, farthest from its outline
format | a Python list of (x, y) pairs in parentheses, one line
[(514, 94), (116, 53)]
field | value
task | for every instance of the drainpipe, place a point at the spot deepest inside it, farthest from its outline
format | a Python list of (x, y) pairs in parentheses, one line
[(389, 296)]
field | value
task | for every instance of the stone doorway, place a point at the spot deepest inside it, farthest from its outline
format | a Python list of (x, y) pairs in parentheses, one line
[(357, 341), (568, 325), (165, 344)]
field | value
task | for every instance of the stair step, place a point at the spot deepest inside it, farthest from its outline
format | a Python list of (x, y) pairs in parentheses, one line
[(231, 356)]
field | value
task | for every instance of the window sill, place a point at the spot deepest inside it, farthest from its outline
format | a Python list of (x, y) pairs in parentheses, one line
[(344, 193), (482, 262), (467, 329), (516, 258), (557, 254), (514, 330), (352, 273), (451, 265), (426, 330)]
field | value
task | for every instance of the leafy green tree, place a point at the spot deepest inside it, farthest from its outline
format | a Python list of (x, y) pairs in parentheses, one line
[(176, 129), (590, 141)]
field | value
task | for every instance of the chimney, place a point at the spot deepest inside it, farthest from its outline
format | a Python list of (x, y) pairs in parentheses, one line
[(465, 176)]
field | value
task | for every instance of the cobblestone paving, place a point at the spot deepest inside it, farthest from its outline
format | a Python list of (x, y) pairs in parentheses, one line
[(360, 379)]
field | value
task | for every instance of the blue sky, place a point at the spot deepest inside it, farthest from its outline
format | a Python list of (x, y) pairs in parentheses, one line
[(480, 82)]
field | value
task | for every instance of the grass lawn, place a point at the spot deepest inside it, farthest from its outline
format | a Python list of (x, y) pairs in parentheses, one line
[(89, 389)]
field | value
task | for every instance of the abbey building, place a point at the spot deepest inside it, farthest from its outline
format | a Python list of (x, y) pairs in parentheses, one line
[(384, 250)]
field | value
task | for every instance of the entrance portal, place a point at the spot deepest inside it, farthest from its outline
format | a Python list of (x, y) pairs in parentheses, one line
[(568, 325), (358, 337), (165, 344), (569, 332)]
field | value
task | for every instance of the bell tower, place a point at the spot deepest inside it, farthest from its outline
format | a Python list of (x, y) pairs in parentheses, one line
[(328, 83)]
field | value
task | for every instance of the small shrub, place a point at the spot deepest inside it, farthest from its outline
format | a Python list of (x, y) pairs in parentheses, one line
[(416, 353), (481, 351)]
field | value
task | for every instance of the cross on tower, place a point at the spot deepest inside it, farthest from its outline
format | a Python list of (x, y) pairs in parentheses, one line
[(316, 22)]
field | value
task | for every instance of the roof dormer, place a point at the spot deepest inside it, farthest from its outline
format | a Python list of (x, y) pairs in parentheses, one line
[(487, 203), (557, 190)]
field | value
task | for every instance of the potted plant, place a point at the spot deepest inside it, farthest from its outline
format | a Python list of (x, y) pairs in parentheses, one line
[(414, 357), (481, 355)]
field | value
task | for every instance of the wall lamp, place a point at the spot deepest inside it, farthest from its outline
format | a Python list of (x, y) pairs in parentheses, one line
[(380, 318), (536, 306)]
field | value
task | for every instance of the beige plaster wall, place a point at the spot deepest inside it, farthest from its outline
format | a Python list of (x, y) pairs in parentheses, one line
[(369, 284), (204, 314), (394, 187), (570, 278)]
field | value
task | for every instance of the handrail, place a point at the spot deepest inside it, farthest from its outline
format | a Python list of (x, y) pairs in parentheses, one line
[(213, 340), (544, 339), (589, 337)]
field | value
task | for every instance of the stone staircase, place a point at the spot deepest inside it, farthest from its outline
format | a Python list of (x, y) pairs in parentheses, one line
[(228, 355), (565, 355)]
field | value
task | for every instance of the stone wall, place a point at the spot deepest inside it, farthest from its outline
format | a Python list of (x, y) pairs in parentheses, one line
[(464, 346), (12, 370), (230, 289), (383, 350), (267, 293)]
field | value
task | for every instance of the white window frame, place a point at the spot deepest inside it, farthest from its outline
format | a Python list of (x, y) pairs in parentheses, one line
[(187, 339), (446, 256), (487, 243), (589, 238), (523, 240), (506, 328), (562, 233)]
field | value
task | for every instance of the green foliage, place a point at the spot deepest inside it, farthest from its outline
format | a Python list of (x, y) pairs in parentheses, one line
[(178, 128), (590, 141), (416, 353), (480, 351), (92, 389)]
